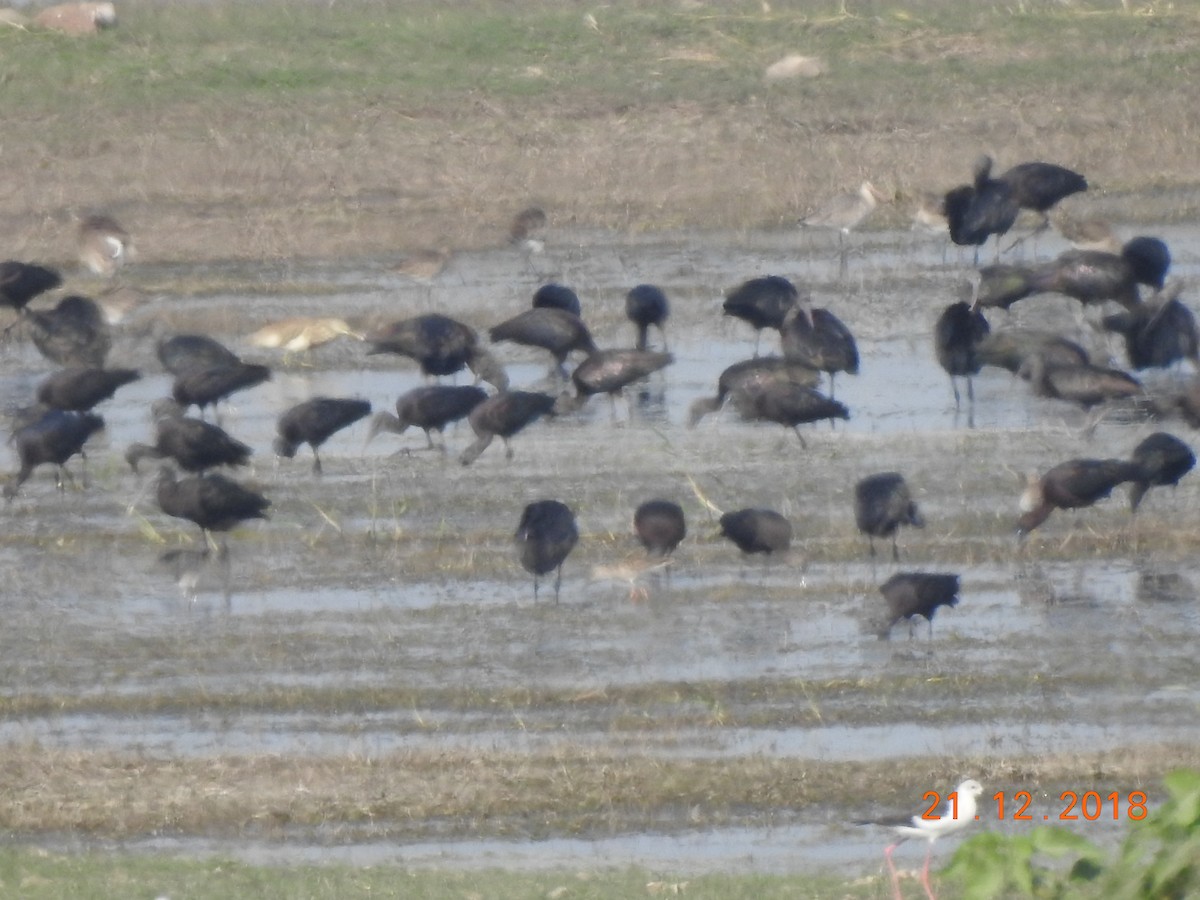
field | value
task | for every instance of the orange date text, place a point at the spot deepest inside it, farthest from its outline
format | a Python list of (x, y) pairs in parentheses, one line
[(1072, 806)]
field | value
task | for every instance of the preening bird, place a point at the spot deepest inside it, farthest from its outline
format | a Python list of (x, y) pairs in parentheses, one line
[(984, 208), (753, 374), (545, 536), (557, 296), (909, 594), (431, 408), (821, 340), (54, 438), (1158, 333), (314, 421), (882, 503), (763, 303), (104, 245)]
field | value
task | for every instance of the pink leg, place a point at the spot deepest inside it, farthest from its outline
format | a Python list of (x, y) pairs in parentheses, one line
[(925, 874), (887, 854)]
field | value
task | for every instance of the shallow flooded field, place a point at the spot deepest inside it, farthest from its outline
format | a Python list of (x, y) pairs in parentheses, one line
[(381, 611)]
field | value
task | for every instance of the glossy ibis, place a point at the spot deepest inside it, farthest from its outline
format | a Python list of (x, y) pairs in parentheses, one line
[(545, 536), (763, 302), (73, 333), (819, 339), (185, 353), (314, 421), (557, 296), (976, 212), (787, 404), (757, 531), (957, 812), (1084, 385), (660, 526), (609, 372), (1015, 349), (440, 344), (503, 415), (54, 438), (431, 408), (1038, 186), (104, 246), (956, 338), (1162, 459), (882, 503), (910, 594), (211, 501), (647, 305), (1074, 484), (753, 373), (80, 389), (20, 282), (554, 330), (208, 387), (1158, 333), (194, 445)]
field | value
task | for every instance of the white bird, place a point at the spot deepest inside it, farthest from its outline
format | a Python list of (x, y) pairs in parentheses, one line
[(956, 813)]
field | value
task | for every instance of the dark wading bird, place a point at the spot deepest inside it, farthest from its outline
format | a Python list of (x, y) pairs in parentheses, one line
[(757, 531), (503, 415), (545, 536), (54, 438), (1015, 349), (955, 814), (557, 296), (441, 345), (431, 408), (1162, 459), (211, 501), (911, 594), (73, 333), (762, 302), (660, 526), (1089, 276), (753, 374), (647, 305), (194, 445), (981, 209), (1072, 485), (821, 340), (314, 421), (80, 389), (1084, 385), (208, 387), (185, 353), (1157, 333), (959, 331), (789, 405), (609, 372), (882, 503), (1038, 186), (21, 282), (553, 330)]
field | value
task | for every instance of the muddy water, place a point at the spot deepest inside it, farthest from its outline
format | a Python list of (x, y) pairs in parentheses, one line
[(397, 569)]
